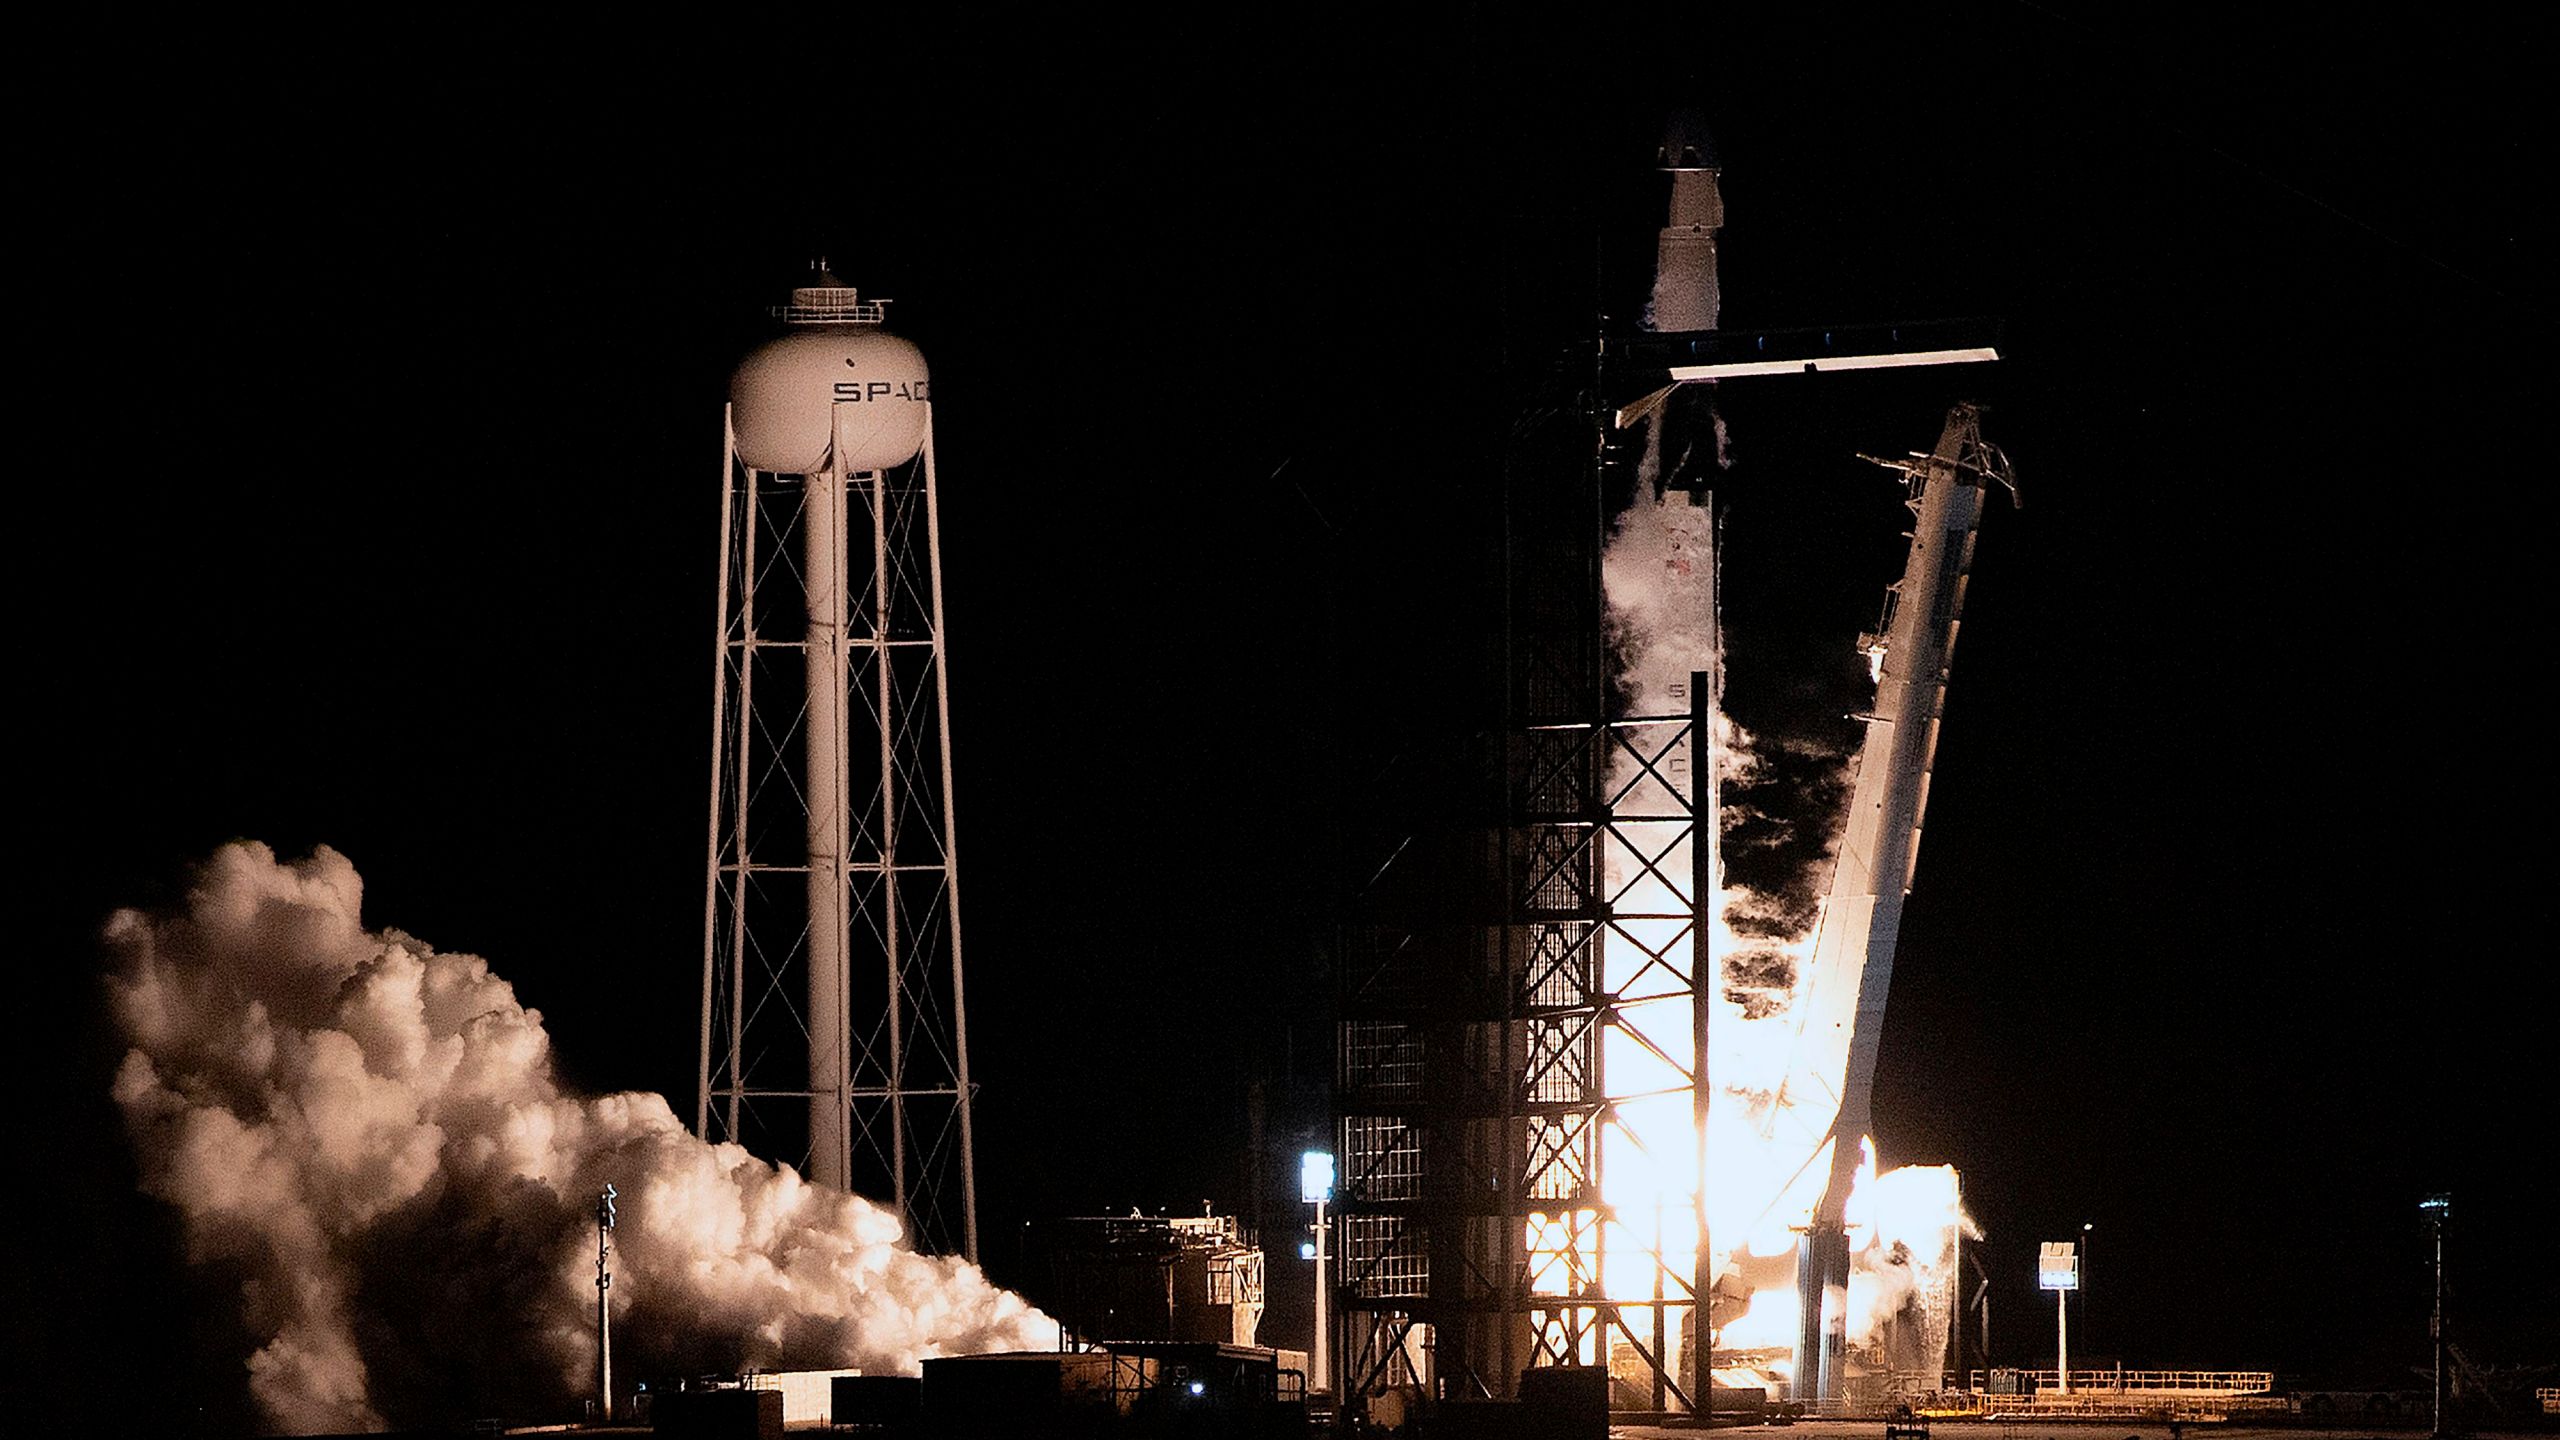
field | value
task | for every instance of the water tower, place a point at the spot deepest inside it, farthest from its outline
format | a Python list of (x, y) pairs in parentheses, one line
[(834, 1023)]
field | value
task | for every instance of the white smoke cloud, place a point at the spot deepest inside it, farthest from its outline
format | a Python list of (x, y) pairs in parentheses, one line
[(1658, 572), (1902, 1277), (370, 1136)]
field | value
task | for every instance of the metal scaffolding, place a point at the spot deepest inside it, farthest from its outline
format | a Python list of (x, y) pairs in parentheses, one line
[(1539, 917)]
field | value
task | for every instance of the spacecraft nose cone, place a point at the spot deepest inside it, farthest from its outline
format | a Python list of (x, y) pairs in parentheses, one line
[(1686, 145)]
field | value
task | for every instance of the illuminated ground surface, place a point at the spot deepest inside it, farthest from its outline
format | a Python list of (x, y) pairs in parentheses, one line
[(2064, 1431)]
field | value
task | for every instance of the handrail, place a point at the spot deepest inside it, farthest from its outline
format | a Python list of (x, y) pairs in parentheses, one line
[(2123, 1382)]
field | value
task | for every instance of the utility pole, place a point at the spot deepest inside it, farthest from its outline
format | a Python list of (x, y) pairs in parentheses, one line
[(604, 1311)]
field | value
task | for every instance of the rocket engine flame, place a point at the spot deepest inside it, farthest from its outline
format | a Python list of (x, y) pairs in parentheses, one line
[(370, 1134), (1769, 1114)]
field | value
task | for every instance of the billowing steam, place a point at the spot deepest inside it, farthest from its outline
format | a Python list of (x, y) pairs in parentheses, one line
[(1782, 797), (369, 1135), (1901, 1284)]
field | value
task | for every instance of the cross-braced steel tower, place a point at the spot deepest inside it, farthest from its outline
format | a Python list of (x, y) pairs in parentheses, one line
[(1516, 1001), (833, 1013), (1519, 1016)]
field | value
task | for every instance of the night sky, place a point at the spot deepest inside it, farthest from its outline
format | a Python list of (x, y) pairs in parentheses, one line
[(368, 498)]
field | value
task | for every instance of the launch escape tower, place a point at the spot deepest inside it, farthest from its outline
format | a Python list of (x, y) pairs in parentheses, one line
[(834, 1020), (1550, 904)]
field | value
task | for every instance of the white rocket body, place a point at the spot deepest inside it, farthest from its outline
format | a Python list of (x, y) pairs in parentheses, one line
[(1845, 989)]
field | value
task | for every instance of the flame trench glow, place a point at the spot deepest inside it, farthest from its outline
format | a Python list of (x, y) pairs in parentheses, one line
[(1777, 1050), (369, 1136)]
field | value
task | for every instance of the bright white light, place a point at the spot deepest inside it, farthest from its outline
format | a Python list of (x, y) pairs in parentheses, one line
[(2058, 1265), (1199, 1387), (1306, 1249), (1315, 1177)]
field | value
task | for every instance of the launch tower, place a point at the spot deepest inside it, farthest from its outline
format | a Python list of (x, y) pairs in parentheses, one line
[(834, 1021), (1522, 1088), (1516, 998)]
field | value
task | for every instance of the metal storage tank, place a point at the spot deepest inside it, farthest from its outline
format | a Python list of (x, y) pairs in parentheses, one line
[(837, 376)]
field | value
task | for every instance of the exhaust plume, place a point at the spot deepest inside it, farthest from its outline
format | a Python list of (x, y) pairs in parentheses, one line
[(369, 1133), (1783, 800)]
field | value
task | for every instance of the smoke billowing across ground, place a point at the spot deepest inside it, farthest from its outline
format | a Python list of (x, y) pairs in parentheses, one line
[(368, 1134)]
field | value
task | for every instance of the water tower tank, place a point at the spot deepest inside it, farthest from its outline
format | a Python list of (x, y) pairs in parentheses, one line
[(835, 376)]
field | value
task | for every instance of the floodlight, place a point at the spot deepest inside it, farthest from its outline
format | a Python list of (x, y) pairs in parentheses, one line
[(2058, 1266), (1315, 1177)]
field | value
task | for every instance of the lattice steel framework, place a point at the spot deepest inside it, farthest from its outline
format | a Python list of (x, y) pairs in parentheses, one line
[(1506, 950), (839, 675)]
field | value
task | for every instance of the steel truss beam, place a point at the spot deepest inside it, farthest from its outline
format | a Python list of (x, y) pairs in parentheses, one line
[(1561, 916)]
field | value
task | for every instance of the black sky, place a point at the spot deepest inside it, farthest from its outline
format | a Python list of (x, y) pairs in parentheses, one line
[(369, 436)]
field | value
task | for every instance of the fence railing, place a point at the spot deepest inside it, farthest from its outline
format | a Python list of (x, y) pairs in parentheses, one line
[(2124, 1382)]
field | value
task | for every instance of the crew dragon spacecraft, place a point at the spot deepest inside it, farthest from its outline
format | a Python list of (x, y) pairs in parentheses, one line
[(1811, 1138)]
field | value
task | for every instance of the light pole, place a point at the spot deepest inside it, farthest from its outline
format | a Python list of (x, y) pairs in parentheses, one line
[(2438, 1209), (2088, 1302), (1315, 1187), (2062, 1339), (2058, 1270)]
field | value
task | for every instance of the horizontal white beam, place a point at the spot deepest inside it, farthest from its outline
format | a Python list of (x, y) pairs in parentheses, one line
[(1886, 360)]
